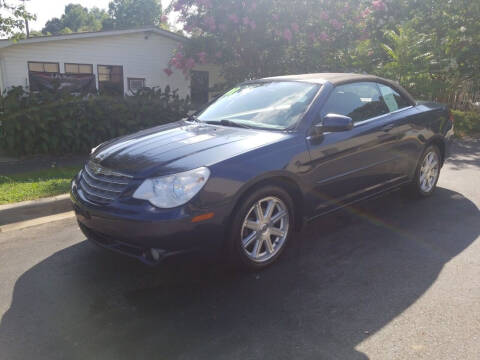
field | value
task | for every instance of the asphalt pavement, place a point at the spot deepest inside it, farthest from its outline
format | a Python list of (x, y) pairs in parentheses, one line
[(392, 278)]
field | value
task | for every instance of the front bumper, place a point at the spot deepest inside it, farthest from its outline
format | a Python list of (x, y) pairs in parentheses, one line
[(138, 229)]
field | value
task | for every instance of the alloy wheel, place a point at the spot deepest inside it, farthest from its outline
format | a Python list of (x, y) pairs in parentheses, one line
[(265, 229), (429, 172)]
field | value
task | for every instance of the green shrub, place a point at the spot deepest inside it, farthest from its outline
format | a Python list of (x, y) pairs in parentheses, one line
[(466, 123), (40, 123)]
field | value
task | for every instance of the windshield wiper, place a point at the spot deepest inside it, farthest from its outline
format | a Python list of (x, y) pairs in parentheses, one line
[(226, 122)]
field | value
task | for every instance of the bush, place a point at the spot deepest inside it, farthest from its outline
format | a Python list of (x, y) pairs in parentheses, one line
[(41, 123), (466, 123)]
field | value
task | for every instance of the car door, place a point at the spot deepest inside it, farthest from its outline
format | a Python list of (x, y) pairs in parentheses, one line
[(352, 164), (399, 124)]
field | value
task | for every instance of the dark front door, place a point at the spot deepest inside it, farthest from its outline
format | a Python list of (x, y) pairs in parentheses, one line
[(199, 88), (351, 164)]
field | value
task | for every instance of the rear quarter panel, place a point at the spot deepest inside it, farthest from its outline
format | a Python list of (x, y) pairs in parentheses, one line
[(436, 126)]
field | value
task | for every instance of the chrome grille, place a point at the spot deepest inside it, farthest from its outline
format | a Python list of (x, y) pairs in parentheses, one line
[(102, 185)]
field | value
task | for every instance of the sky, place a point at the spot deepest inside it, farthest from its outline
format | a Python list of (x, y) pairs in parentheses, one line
[(47, 9)]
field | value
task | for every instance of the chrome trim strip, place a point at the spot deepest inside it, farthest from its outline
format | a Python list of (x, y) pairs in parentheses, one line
[(104, 180), (105, 171), (357, 170), (91, 192), (372, 119), (99, 187), (381, 116)]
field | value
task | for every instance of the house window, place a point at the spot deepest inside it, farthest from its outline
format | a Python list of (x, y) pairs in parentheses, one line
[(135, 84), (110, 79), (45, 67), (78, 69)]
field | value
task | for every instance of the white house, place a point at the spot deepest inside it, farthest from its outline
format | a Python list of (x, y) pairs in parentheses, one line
[(129, 59)]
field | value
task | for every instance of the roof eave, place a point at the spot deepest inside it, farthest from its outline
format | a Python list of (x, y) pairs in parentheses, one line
[(87, 35)]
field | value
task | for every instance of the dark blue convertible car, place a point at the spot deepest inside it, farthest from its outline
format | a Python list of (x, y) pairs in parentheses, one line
[(246, 172)]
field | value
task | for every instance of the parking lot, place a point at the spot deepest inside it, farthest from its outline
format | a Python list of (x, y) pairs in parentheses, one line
[(392, 278)]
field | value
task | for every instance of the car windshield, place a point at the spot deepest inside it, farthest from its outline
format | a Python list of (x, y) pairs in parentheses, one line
[(273, 105)]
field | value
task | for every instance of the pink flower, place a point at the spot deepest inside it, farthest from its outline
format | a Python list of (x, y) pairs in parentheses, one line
[(336, 24), (177, 60), (218, 54), (164, 18), (233, 18), (323, 36), (366, 12), (188, 28), (190, 63), (246, 21), (275, 16), (295, 27), (287, 35), (253, 6), (253, 25), (202, 57), (378, 5), (323, 15), (168, 71), (210, 22)]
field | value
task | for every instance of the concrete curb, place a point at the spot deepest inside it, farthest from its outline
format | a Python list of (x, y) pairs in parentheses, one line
[(37, 221), (28, 210)]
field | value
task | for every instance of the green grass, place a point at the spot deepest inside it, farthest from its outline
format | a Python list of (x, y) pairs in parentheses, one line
[(35, 185)]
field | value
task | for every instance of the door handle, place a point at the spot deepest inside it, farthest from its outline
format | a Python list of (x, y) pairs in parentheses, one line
[(388, 127)]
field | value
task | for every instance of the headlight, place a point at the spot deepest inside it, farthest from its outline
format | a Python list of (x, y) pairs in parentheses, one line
[(173, 190)]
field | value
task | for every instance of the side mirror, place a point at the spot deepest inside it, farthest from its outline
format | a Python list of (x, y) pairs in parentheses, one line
[(335, 123)]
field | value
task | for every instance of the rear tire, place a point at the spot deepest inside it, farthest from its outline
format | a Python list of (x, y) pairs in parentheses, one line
[(427, 173), (262, 225)]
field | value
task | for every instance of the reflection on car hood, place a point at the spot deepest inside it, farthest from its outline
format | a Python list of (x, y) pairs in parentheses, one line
[(179, 146)]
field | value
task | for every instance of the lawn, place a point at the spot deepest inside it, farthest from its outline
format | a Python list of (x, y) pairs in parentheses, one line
[(35, 185)]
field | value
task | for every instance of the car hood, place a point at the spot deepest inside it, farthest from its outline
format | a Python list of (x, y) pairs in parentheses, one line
[(178, 147)]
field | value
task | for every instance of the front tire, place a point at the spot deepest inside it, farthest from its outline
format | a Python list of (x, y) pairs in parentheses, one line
[(261, 228), (427, 173)]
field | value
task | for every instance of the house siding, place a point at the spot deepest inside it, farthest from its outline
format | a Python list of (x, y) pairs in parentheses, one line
[(142, 55)]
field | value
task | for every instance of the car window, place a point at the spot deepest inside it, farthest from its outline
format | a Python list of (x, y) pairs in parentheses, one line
[(360, 101), (392, 98)]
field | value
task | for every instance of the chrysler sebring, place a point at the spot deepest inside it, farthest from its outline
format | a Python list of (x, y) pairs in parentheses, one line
[(245, 173)]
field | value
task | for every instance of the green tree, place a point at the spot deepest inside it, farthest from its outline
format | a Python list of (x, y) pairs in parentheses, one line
[(133, 13), (76, 18), (12, 18), (430, 46)]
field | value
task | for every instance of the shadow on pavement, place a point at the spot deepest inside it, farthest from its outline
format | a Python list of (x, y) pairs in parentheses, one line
[(465, 153), (347, 276)]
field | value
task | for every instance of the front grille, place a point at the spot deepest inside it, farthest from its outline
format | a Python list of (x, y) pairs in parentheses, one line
[(101, 185)]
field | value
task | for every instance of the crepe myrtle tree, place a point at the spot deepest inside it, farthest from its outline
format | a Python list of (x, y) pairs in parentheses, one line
[(257, 38)]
